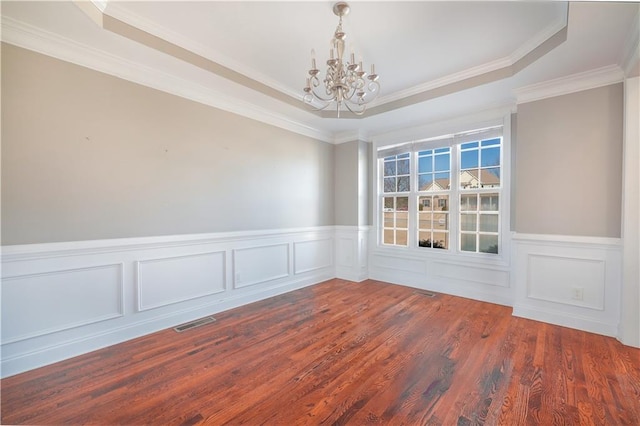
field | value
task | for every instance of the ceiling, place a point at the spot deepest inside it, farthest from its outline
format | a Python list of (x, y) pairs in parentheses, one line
[(436, 60)]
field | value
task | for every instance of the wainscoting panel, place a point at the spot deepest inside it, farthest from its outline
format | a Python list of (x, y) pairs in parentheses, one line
[(63, 299), (161, 282), (351, 252), (471, 274), (569, 281), (258, 265), (477, 279), (553, 278), (312, 255), (48, 302)]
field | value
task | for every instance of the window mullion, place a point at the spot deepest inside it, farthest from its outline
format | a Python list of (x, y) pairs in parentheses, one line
[(454, 210)]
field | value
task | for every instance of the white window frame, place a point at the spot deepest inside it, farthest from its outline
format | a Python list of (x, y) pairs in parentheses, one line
[(436, 134)]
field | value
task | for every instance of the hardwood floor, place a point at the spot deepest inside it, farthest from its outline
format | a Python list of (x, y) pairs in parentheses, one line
[(343, 353)]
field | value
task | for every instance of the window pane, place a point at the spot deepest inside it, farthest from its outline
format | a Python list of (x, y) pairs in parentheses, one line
[(468, 222), (388, 236), (488, 244), (442, 162), (468, 242), (489, 202), (402, 220), (490, 177), (441, 221), (469, 179), (469, 202), (424, 239), (470, 145), (424, 221), (424, 204), (440, 240), (441, 202), (389, 168), (388, 220), (469, 159), (388, 203), (402, 204), (390, 184), (403, 184), (425, 164), (442, 181), (489, 142), (401, 238), (491, 157), (405, 155), (488, 223), (425, 182), (403, 167)]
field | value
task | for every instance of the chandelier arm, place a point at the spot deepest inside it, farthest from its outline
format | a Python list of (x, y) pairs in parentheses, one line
[(346, 104)]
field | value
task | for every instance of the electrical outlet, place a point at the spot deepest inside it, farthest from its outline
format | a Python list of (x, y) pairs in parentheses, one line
[(577, 293)]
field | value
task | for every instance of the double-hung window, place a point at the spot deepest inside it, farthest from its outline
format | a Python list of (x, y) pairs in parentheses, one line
[(444, 194)]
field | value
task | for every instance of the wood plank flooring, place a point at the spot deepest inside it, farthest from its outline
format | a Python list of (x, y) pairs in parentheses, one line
[(343, 353)]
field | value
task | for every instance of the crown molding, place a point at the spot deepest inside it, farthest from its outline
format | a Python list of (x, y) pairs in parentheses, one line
[(631, 52), (592, 79), (529, 46), (32, 38), (118, 12), (344, 137)]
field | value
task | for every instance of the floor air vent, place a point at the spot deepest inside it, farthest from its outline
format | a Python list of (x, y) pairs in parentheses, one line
[(194, 324), (425, 293)]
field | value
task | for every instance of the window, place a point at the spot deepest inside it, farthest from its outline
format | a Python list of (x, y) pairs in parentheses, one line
[(444, 193)]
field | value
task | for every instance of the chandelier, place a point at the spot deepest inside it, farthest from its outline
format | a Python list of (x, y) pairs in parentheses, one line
[(345, 83)]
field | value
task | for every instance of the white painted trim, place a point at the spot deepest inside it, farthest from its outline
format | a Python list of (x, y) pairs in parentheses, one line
[(47, 43), (444, 81), (565, 319), (62, 350), (343, 137), (315, 268), (138, 279), (61, 343), (243, 284), (482, 119), (592, 79), (614, 243), (548, 297), (631, 52), (118, 12), (119, 314), (71, 248), (478, 70)]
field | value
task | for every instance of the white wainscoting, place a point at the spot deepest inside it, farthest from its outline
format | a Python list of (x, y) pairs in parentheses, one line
[(477, 277), (351, 247), (569, 281), (63, 299)]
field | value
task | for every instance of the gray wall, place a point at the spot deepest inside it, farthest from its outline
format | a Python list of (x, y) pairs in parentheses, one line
[(352, 183), (90, 156), (346, 184), (568, 164)]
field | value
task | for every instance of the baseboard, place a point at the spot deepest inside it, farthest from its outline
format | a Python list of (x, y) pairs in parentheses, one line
[(565, 320)]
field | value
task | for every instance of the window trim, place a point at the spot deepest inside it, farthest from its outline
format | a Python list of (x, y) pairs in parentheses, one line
[(430, 137)]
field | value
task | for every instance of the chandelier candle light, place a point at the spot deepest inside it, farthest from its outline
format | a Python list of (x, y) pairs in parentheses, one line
[(346, 83)]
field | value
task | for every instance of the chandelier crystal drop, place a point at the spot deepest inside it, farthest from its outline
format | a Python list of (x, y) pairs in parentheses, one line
[(345, 83)]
